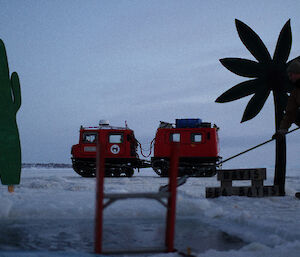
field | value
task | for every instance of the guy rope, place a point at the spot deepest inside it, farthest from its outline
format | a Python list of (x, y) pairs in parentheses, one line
[(254, 147)]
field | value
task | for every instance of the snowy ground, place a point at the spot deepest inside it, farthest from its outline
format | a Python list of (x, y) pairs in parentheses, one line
[(51, 213)]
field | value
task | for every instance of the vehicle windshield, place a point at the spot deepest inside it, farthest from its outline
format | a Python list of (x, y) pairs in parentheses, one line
[(115, 138), (89, 138)]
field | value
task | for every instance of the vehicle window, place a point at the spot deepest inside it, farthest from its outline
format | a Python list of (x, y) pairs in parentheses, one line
[(89, 137), (115, 138), (196, 137), (175, 137)]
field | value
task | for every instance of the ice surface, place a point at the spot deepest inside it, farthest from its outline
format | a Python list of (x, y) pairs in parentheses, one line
[(51, 213)]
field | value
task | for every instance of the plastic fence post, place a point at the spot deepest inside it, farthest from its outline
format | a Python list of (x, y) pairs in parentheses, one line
[(171, 212), (100, 166)]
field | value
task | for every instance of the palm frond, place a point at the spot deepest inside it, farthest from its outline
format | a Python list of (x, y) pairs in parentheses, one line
[(242, 67), (284, 44), (253, 42), (240, 90), (255, 104)]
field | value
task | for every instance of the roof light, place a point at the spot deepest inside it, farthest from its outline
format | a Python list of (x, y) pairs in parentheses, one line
[(103, 123)]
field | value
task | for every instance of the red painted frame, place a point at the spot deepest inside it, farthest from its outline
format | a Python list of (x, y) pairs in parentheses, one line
[(171, 205)]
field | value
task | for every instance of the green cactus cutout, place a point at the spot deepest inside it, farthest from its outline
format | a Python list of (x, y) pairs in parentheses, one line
[(10, 102)]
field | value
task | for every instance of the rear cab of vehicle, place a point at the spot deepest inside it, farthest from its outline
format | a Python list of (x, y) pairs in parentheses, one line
[(198, 143)]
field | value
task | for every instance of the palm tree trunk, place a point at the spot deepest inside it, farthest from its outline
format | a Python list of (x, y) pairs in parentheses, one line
[(280, 161)]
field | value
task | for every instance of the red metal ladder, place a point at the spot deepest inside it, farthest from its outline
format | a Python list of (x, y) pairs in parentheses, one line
[(170, 195)]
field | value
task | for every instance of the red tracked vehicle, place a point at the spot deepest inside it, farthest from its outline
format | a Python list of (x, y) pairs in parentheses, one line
[(198, 154), (120, 149), (199, 148)]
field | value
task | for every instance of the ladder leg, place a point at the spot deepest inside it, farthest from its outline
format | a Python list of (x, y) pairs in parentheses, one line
[(99, 198), (171, 211)]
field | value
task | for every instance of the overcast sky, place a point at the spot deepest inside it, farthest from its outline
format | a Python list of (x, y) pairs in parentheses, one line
[(139, 61)]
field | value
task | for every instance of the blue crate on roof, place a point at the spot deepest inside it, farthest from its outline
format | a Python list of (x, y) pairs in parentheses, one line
[(188, 123)]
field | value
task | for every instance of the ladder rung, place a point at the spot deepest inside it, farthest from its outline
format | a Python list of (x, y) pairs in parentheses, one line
[(159, 195), (133, 251)]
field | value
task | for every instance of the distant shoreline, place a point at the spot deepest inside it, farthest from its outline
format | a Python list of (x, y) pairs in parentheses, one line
[(47, 165)]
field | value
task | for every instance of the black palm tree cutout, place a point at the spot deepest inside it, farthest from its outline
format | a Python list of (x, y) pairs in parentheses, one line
[(267, 75), (270, 74)]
